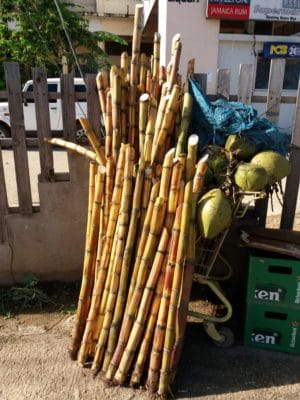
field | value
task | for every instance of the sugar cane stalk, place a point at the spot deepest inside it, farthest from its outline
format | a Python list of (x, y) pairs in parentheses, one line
[(125, 269), (93, 140), (182, 311), (145, 346), (88, 272), (140, 322), (143, 117), (185, 122), (109, 126), (159, 334), (125, 209), (164, 380), (91, 155)]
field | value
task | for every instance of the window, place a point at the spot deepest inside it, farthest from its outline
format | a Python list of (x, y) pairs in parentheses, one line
[(80, 89), (52, 87), (291, 74)]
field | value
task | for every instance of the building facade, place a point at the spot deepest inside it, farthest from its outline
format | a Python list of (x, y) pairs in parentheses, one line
[(227, 33)]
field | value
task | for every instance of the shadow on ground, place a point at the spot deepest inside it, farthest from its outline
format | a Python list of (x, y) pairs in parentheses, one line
[(208, 370)]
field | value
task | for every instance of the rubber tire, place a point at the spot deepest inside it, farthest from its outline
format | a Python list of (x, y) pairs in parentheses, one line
[(4, 132), (229, 338), (80, 134)]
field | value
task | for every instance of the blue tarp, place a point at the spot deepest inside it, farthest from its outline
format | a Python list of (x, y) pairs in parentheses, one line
[(213, 122)]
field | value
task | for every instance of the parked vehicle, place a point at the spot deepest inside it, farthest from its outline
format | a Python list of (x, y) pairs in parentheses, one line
[(55, 110)]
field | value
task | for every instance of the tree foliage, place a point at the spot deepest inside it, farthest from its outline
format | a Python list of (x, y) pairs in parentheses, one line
[(32, 33)]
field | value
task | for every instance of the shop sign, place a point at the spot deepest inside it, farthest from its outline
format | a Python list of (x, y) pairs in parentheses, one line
[(228, 9), (275, 10), (271, 10), (281, 50)]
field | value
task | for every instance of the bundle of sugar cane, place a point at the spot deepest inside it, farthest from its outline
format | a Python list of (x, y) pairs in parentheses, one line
[(140, 240)]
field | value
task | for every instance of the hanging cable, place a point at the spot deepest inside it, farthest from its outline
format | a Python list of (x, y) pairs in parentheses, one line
[(69, 40)]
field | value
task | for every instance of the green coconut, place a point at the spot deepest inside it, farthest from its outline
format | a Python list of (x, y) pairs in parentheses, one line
[(275, 164), (250, 177), (240, 147), (217, 161), (214, 214)]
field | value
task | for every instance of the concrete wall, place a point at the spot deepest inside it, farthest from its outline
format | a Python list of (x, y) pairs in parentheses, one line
[(49, 243)]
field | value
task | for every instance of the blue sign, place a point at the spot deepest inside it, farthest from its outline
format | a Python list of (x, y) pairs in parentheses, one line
[(281, 50)]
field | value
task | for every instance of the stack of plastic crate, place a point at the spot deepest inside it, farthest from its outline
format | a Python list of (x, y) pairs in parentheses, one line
[(273, 304)]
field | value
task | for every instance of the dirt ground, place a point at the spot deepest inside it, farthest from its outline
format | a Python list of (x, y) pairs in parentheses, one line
[(35, 365)]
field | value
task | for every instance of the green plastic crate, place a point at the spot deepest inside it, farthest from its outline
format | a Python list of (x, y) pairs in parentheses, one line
[(275, 328), (274, 281)]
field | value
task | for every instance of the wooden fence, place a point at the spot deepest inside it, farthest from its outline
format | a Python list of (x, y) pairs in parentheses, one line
[(68, 97)]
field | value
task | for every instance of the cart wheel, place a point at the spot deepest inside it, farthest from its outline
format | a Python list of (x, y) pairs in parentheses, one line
[(228, 336)]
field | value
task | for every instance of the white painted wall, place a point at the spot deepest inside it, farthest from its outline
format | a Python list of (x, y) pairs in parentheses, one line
[(116, 6), (199, 36), (118, 26), (242, 49)]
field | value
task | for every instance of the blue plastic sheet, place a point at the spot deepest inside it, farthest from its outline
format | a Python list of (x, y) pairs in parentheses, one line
[(213, 122)]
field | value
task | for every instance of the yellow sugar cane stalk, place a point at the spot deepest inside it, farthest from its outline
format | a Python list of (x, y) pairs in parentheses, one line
[(102, 95), (155, 70), (124, 218), (181, 147), (116, 110), (124, 98), (93, 139), (142, 241), (165, 376), (109, 126), (159, 333), (143, 73), (168, 119), (146, 195), (143, 272), (143, 117), (160, 117), (105, 293), (91, 155), (142, 315), (124, 64), (109, 186), (175, 60), (136, 44), (182, 311), (105, 256), (93, 167), (148, 81), (93, 322), (173, 193), (125, 269), (166, 174), (192, 151), (150, 128), (88, 265), (146, 343)]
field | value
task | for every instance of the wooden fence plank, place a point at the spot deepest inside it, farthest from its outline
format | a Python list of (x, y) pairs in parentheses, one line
[(275, 89), (13, 85), (3, 202), (272, 113), (245, 88), (93, 106), (223, 82), (292, 181), (68, 107), (40, 89)]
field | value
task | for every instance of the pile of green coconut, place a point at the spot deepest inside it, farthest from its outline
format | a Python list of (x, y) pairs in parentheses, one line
[(235, 170)]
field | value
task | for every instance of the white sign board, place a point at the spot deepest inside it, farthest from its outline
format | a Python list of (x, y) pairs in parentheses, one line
[(275, 10)]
